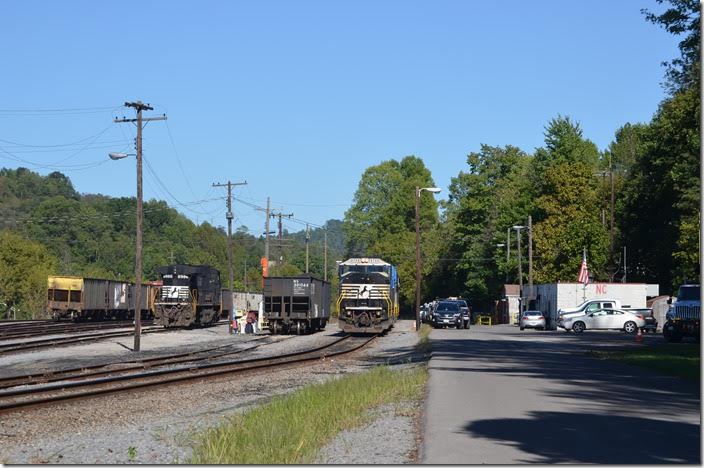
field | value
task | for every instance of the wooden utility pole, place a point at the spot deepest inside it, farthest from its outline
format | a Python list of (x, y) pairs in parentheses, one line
[(139, 107), (307, 241), (281, 235), (530, 256), (266, 241), (325, 249), (230, 216)]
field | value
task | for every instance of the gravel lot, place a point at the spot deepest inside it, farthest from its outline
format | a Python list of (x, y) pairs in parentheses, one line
[(157, 426)]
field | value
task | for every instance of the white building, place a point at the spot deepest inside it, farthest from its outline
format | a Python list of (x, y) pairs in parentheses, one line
[(549, 298)]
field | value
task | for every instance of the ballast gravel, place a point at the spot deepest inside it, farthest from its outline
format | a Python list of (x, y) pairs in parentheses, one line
[(159, 426)]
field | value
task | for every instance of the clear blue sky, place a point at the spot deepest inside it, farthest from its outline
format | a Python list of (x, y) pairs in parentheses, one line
[(300, 97)]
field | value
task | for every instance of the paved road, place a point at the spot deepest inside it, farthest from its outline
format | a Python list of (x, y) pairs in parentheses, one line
[(499, 395)]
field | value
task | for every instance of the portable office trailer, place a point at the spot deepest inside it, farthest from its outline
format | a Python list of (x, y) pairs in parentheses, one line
[(296, 304), (549, 298)]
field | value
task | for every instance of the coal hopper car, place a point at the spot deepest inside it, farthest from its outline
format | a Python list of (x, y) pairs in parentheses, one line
[(83, 299), (296, 304)]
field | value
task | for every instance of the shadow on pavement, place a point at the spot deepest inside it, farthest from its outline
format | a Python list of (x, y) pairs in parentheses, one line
[(618, 413), (588, 438)]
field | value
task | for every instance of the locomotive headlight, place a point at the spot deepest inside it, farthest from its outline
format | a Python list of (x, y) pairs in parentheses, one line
[(378, 313), (349, 312)]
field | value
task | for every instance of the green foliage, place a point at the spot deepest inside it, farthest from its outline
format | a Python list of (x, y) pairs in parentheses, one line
[(381, 221), (490, 197), (567, 205), (664, 182), (682, 17), (24, 267)]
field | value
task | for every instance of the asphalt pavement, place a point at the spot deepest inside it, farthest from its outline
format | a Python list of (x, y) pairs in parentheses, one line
[(503, 396)]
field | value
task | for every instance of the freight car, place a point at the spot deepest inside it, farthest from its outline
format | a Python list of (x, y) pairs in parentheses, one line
[(190, 295), (296, 304), (368, 295), (77, 298)]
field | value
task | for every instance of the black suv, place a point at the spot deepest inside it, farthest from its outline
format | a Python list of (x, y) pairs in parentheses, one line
[(464, 308), (447, 314)]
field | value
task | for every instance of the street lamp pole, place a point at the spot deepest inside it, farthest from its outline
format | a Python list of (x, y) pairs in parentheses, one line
[(520, 271), (418, 190)]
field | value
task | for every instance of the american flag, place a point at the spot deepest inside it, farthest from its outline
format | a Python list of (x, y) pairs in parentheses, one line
[(583, 270)]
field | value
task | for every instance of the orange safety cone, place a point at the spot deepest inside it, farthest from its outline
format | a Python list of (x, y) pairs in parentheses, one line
[(639, 336)]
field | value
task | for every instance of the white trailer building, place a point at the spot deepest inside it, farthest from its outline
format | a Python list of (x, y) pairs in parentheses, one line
[(549, 298)]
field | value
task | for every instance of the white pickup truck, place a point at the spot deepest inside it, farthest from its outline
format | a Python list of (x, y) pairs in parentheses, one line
[(588, 306)]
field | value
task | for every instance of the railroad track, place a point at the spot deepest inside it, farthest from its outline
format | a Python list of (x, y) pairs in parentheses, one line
[(20, 397), (34, 329), (83, 372), (11, 348)]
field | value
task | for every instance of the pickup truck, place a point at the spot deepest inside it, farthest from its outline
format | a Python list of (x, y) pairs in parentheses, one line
[(587, 307)]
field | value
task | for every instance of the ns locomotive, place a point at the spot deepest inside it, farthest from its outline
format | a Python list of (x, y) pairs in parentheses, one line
[(190, 295), (368, 296)]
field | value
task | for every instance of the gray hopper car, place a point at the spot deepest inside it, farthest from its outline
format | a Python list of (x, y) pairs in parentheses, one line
[(296, 304), (77, 298)]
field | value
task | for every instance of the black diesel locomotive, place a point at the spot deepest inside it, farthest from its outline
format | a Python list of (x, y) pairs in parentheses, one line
[(190, 295)]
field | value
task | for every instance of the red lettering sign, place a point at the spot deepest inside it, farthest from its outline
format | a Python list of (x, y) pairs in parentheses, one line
[(601, 289)]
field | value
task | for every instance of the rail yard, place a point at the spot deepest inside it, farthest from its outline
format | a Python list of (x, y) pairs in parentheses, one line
[(97, 401)]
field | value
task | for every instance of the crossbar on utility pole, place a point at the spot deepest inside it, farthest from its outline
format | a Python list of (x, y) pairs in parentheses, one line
[(139, 107), (230, 216)]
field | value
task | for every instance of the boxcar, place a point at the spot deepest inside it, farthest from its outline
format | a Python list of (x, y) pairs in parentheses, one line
[(296, 304)]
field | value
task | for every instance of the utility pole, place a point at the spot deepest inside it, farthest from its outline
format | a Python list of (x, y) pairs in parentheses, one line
[(307, 240), (611, 176), (281, 235), (266, 241), (230, 216), (520, 271), (325, 254), (139, 107), (530, 256)]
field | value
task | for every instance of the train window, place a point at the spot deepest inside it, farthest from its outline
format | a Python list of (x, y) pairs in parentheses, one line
[(60, 295), (75, 296)]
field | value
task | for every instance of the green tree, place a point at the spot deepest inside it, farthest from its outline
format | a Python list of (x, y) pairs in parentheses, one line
[(491, 196), (381, 221), (682, 17), (567, 205), (24, 268)]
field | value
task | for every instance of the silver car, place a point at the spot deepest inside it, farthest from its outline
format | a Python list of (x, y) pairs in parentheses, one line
[(605, 319), (532, 319)]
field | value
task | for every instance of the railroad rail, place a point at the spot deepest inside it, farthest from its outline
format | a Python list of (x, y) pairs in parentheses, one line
[(10, 348), (83, 372), (17, 398), (33, 329)]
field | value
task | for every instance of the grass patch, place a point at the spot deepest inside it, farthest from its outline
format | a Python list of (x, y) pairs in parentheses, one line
[(291, 429), (680, 360)]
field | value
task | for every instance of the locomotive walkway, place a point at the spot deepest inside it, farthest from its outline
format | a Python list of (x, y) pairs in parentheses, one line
[(498, 395)]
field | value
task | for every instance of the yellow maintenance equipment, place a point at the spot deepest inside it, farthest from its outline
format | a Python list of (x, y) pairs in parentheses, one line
[(484, 320)]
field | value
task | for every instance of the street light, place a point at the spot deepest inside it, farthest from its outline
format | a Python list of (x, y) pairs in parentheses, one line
[(418, 190), (138, 249), (520, 272)]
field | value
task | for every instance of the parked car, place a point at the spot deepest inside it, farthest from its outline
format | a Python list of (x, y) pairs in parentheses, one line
[(464, 308), (447, 314), (605, 319), (532, 319)]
